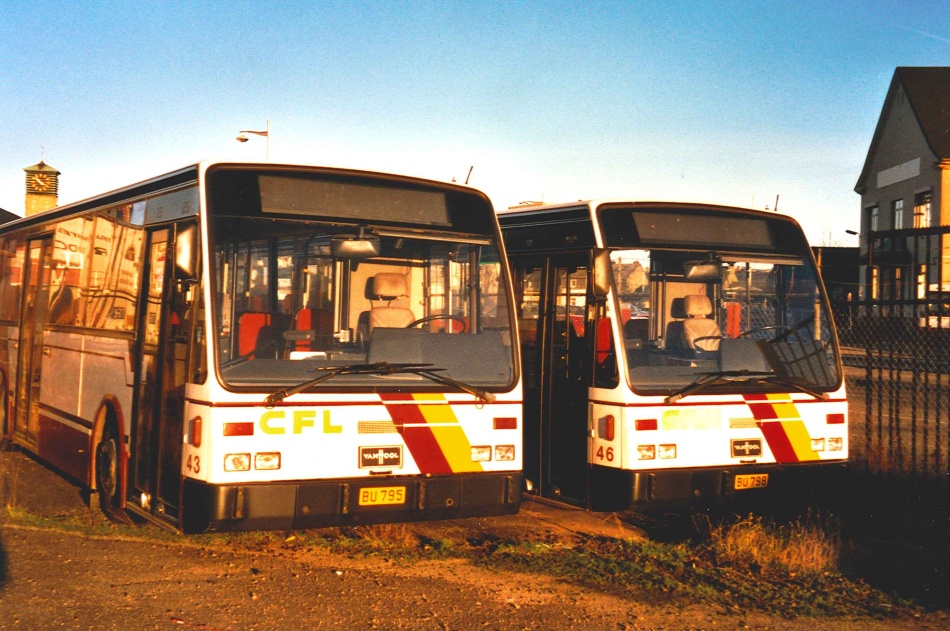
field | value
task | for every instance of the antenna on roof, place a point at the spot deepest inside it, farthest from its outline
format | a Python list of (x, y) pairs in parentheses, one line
[(469, 174)]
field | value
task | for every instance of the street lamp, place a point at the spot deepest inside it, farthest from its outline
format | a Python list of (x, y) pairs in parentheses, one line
[(266, 134)]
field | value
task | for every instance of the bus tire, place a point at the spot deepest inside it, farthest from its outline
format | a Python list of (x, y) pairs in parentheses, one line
[(5, 442), (107, 469)]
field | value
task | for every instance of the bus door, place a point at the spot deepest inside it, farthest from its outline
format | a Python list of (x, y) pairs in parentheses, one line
[(556, 350), (35, 309), (166, 317)]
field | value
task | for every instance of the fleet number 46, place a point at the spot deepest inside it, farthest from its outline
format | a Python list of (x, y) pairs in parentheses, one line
[(605, 453)]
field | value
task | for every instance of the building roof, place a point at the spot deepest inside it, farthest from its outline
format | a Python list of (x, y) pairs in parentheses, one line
[(6, 216), (928, 93), (41, 167)]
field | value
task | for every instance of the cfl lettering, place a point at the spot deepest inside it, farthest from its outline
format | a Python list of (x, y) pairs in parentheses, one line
[(275, 422)]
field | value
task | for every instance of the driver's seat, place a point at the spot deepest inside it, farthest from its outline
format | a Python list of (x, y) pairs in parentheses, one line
[(700, 332), (389, 287)]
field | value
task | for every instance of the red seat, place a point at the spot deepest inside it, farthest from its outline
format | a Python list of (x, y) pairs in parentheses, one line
[(605, 340), (320, 321), (250, 325)]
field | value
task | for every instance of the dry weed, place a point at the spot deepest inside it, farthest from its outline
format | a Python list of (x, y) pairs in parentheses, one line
[(801, 547), (387, 536)]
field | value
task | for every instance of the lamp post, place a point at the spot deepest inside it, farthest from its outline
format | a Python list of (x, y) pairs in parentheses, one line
[(266, 134)]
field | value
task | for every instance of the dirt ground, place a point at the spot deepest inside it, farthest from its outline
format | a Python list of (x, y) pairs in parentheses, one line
[(53, 578)]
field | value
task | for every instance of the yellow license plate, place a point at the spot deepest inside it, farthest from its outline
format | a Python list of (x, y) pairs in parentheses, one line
[(382, 495), (751, 481)]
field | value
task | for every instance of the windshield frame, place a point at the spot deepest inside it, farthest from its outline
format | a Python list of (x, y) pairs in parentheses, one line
[(780, 242), (473, 225)]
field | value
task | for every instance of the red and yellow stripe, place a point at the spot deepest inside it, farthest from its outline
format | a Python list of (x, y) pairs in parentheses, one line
[(782, 426), (432, 432)]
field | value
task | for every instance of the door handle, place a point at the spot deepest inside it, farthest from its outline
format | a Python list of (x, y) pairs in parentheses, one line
[(47, 351)]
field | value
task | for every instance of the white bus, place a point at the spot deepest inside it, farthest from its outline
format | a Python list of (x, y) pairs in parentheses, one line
[(257, 346), (672, 354)]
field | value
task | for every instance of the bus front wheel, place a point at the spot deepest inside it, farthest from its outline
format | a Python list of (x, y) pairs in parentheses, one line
[(107, 469), (4, 412)]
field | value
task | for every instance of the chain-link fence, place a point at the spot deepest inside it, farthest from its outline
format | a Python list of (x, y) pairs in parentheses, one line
[(896, 354)]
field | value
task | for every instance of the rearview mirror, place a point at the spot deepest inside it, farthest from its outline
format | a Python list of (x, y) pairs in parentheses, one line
[(702, 271), (352, 247)]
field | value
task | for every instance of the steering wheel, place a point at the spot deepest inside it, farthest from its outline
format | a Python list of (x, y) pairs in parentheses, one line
[(706, 338), (441, 316), (771, 327)]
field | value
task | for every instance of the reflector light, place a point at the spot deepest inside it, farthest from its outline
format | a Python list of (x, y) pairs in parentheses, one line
[(834, 419), (835, 444), (667, 452), (505, 452), (481, 453), (237, 462), (817, 444), (267, 461), (608, 424), (508, 422), (194, 434), (646, 452), (239, 429), (645, 424)]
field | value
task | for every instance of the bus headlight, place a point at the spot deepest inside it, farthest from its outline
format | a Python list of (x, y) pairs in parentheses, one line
[(237, 462), (667, 452), (835, 444), (267, 461), (817, 444), (505, 452), (481, 453), (646, 452)]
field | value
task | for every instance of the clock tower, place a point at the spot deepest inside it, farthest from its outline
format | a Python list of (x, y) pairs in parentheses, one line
[(42, 188)]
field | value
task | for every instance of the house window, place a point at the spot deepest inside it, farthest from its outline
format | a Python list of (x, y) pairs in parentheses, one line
[(871, 212), (922, 209), (875, 282), (922, 282), (898, 207)]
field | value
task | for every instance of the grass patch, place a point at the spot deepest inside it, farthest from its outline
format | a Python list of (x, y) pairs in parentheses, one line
[(746, 565), (645, 570)]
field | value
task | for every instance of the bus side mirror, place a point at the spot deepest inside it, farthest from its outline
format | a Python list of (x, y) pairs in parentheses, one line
[(602, 272), (185, 246)]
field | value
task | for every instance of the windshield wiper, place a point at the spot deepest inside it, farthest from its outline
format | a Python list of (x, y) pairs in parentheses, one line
[(742, 376), (329, 372), (379, 368), (476, 392)]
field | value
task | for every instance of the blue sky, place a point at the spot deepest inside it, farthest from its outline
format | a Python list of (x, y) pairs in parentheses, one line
[(721, 102)]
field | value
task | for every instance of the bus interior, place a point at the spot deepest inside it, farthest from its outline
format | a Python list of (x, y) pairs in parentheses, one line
[(711, 317), (359, 304)]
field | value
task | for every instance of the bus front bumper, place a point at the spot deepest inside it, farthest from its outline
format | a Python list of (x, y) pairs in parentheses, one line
[(677, 488), (345, 502)]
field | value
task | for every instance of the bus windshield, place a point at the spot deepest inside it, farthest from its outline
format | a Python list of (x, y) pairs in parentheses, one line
[(296, 299), (709, 321)]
